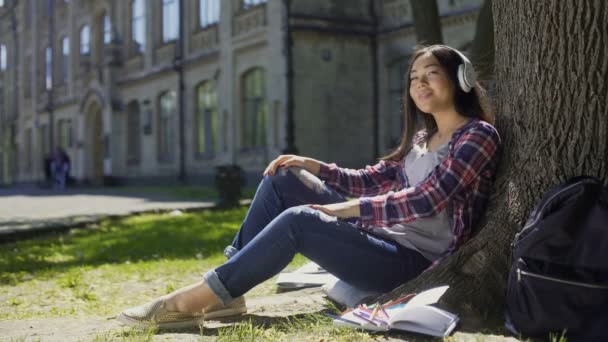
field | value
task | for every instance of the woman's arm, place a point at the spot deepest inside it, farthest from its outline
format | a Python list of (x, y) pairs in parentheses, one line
[(473, 151), (370, 181), (287, 160)]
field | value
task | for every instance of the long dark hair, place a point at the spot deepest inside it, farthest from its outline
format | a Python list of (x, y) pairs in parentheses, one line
[(473, 104)]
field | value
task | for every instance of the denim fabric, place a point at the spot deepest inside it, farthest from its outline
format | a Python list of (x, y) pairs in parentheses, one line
[(279, 225)]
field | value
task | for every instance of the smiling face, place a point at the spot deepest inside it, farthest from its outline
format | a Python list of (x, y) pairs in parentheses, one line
[(430, 86)]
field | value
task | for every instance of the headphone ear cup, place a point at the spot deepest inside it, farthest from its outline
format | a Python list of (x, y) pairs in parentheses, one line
[(462, 78)]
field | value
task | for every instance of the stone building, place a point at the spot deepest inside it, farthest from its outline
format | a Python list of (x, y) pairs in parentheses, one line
[(134, 91)]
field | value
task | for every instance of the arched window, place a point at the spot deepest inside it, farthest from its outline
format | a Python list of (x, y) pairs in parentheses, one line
[(48, 68), (253, 113), (166, 125), (65, 55), (133, 133), (206, 119), (85, 40), (138, 25), (245, 4), (209, 12), (396, 83), (170, 20), (107, 29), (3, 57)]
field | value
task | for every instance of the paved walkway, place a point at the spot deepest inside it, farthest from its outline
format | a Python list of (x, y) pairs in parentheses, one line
[(27, 211)]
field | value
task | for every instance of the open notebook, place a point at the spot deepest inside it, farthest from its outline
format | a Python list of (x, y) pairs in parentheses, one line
[(409, 313)]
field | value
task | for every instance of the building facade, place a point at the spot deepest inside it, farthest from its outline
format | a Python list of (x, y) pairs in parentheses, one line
[(133, 91)]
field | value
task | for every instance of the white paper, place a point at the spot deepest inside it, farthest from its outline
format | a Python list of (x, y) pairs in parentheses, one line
[(428, 297)]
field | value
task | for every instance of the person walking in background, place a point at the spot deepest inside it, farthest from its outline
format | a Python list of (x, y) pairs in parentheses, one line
[(60, 168)]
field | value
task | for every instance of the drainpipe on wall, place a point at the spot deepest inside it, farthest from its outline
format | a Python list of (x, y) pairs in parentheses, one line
[(50, 104), (179, 66), (375, 99), (289, 101), (15, 119)]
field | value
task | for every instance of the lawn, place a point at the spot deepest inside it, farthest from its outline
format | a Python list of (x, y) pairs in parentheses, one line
[(98, 271)]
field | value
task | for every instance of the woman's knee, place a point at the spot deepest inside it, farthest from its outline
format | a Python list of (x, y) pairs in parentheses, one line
[(303, 216), (286, 178)]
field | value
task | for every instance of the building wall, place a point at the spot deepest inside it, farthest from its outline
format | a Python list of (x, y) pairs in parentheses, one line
[(333, 97)]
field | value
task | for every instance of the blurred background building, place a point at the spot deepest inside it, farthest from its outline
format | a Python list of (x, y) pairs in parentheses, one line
[(134, 91)]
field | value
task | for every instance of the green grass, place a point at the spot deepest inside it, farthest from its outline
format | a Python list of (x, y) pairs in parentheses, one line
[(98, 271), (119, 263), (308, 327)]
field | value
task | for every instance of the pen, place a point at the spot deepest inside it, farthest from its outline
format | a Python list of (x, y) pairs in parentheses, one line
[(374, 312), (400, 300), (366, 319), (384, 311)]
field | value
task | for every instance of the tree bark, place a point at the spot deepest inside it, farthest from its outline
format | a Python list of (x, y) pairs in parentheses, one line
[(426, 22), (552, 114), (482, 48)]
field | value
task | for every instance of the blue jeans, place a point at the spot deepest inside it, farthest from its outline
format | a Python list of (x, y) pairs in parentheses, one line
[(278, 225)]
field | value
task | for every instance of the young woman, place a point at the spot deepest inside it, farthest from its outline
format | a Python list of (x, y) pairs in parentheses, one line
[(412, 209)]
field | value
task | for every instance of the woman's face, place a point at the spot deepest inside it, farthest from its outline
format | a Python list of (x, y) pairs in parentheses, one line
[(430, 86)]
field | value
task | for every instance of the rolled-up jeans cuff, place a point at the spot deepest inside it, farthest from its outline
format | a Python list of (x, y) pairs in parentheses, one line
[(216, 285)]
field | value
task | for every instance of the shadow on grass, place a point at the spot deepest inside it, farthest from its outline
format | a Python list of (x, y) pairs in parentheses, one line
[(216, 328), (198, 235)]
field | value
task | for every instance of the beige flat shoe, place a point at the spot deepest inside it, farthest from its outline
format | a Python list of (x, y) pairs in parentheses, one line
[(235, 308), (154, 314)]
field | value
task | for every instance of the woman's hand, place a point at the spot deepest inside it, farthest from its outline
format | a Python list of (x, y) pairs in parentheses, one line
[(287, 160), (341, 210)]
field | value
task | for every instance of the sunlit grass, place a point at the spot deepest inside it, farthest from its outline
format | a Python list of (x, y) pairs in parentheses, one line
[(119, 263)]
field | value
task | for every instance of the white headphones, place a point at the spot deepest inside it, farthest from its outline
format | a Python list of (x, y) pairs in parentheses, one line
[(467, 78)]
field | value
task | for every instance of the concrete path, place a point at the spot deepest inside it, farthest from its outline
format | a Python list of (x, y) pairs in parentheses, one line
[(29, 211)]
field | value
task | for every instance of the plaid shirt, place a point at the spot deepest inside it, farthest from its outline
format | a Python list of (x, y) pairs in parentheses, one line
[(464, 179)]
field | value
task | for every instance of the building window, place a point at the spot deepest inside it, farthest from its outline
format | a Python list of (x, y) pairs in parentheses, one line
[(166, 125), (209, 12), (49, 68), (1, 3), (253, 117), (246, 4), (170, 20), (85, 40), (138, 25), (65, 55), (206, 119), (107, 29), (396, 77), (3, 57), (64, 133), (133, 133)]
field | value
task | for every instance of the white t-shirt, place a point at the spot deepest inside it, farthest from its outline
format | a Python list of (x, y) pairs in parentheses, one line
[(430, 236)]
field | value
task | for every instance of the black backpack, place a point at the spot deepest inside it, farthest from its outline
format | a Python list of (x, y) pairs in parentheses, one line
[(558, 282)]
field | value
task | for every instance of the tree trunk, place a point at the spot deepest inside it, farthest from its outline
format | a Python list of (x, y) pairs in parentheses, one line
[(426, 22), (482, 49), (552, 114)]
